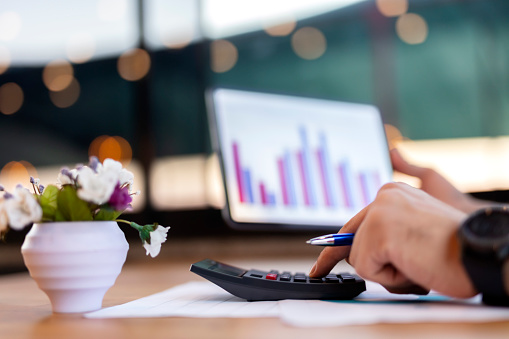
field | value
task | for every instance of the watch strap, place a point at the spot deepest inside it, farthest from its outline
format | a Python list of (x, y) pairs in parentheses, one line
[(487, 277)]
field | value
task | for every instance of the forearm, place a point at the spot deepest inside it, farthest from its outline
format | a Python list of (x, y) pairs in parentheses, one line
[(471, 204)]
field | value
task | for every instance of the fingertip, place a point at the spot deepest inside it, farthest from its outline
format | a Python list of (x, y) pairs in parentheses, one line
[(312, 271), (327, 260)]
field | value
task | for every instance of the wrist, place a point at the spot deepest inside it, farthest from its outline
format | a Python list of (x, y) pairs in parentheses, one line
[(471, 204), (484, 243)]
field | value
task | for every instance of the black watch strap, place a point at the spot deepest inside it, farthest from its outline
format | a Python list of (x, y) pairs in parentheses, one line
[(487, 277), (484, 238)]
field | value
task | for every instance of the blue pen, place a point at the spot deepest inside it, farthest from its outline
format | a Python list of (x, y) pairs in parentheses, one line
[(338, 239)]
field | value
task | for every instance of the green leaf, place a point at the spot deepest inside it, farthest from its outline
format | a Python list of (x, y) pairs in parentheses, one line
[(48, 202), (59, 216), (107, 213), (71, 207)]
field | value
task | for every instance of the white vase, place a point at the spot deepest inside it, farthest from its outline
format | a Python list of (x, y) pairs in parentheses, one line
[(75, 263)]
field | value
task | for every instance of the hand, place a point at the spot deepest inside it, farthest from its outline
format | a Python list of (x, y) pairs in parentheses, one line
[(436, 185), (406, 241)]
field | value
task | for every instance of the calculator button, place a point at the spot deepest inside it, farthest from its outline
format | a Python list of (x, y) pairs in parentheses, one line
[(285, 276), (254, 275), (300, 277), (345, 277), (271, 276), (315, 280), (331, 278)]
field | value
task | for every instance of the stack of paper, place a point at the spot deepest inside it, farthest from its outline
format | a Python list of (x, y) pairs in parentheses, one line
[(206, 300)]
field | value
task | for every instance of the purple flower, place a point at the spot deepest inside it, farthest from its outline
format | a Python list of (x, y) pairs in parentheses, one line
[(120, 198), (94, 163), (65, 171)]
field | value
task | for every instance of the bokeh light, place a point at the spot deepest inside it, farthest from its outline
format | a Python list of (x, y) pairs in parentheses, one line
[(57, 75), (412, 28), (177, 40), (280, 29), (80, 47), (10, 25), (392, 8), (11, 98), (133, 64), (15, 173), (5, 59), (309, 43), (66, 97), (113, 147), (223, 56)]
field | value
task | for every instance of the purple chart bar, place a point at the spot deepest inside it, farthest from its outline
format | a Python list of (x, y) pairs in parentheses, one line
[(323, 177), (345, 180), (302, 171), (284, 180), (363, 181)]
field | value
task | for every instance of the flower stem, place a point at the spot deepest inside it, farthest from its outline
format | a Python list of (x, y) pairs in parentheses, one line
[(124, 221), (130, 223)]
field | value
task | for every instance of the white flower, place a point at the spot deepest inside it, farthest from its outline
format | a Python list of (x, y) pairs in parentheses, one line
[(4, 219), (22, 208), (63, 179), (157, 237), (124, 176), (110, 165), (96, 187)]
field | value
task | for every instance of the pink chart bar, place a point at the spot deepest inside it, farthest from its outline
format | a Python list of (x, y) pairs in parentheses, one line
[(238, 172)]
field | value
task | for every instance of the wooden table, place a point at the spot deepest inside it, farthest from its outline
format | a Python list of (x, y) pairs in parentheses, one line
[(25, 311)]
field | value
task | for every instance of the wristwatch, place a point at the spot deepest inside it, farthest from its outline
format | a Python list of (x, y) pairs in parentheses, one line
[(484, 241)]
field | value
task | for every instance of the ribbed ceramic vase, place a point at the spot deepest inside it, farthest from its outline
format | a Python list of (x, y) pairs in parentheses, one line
[(75, 263)]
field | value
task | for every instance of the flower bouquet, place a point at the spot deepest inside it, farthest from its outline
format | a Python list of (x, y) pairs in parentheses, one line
[(97, 192), (75, 249)]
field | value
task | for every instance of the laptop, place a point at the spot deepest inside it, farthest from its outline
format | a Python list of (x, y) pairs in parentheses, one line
[(296, 163)]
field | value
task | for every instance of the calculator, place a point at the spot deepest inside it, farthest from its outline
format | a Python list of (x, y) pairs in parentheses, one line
[(257, 285)]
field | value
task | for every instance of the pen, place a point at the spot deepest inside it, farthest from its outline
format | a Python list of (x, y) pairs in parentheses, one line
[(338, 239)]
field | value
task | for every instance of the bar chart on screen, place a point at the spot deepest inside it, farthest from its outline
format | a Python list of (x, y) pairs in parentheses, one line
[(306, 177)]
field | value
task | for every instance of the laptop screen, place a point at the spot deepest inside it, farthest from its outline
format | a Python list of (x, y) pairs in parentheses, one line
[(296, 162)]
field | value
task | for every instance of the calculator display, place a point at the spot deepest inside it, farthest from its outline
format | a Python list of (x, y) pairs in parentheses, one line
[(227, 269)]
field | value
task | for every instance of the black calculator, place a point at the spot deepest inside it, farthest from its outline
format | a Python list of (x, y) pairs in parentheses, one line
[(256, 285)]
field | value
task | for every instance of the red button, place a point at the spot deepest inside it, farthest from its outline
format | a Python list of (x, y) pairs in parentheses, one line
[(271, 276)]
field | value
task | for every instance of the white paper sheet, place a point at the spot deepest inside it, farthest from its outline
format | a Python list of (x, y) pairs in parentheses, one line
[(376, 305), (194, 299)]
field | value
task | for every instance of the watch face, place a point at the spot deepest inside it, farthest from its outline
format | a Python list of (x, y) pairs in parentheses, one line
[(490, 224)]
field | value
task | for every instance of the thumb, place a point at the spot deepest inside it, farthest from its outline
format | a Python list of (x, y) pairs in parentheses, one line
[(401, 165), (330, 256)]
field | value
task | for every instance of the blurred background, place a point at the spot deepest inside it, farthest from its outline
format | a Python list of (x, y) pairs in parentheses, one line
[(125, 79)]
